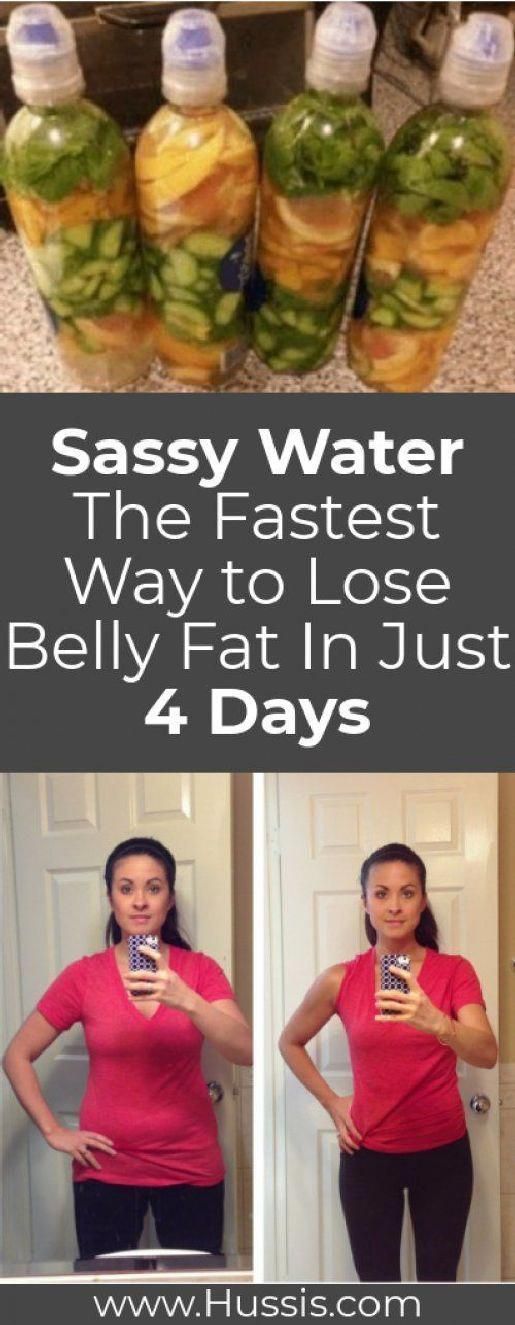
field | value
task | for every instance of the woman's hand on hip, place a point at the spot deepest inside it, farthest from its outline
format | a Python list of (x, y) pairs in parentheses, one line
[(339, 1107), (413, 1007), (80, 1145), (159, 986)]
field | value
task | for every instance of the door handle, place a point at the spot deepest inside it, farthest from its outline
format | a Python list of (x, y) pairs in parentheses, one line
[(216, 1091), (480, 1104)]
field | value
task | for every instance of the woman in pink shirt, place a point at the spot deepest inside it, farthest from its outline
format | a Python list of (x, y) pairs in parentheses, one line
[(404, 1126), (147, 1133)]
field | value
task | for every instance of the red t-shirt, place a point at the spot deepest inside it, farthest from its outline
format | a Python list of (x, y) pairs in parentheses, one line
[(406, 1093), (145, 1090)]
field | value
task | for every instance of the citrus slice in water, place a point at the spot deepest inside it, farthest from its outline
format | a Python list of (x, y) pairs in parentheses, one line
[(330, 220)]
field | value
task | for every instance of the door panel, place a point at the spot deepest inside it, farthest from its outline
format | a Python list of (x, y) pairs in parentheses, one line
[(64, 827), (328, 824)]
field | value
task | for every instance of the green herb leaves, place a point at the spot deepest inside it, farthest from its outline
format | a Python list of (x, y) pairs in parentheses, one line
[(51, 152), (321, 143), (443, 164)]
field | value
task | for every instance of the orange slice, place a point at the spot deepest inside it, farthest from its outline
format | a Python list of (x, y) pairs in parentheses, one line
[(331, 221), (171, 174)]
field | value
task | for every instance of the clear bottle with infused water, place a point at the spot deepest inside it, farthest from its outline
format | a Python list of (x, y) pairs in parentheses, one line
[(441, 186), (196, 173), (69, 182), (322, 153)]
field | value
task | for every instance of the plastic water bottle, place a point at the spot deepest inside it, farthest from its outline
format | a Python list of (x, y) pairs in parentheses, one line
[(196, 173), (441, 186), (321, 159), (69, 182)]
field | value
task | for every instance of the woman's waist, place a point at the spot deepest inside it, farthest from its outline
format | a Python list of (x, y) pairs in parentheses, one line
[(143, 1121), (415, 1122)]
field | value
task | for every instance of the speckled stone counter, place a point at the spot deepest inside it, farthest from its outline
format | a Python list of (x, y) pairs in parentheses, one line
[(481, 357)]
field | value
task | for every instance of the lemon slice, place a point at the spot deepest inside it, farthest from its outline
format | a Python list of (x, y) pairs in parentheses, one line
[(319, 220), (175, 173)]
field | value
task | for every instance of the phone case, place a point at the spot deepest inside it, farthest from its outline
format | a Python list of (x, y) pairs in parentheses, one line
[(137, 960), (389, 981)]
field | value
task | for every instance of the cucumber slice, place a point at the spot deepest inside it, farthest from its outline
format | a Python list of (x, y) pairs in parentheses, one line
[(407, 301), (443, 306), (424, 321), (278, 363), (292, 356), (289, 317), (79, 236), (108, 290), (410, 286), (443, 290), (176, 292), (268, 314), (390, 301), (226, 309), (265, 340), (308, 325), (384, 317), (61, 308), (110, 239), (155, 287), (52, 257), (207, 244), (72, 285), (95, 267), (90, 287), (44, 281), (189, 320), (120, 267), (180, 268)]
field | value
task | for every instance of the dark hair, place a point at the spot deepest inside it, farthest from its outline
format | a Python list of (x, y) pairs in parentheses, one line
[(146, 846), (426, 932)]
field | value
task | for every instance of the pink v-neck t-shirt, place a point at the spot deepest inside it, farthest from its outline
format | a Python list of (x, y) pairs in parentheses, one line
[(145, 1089), (406, 1093)]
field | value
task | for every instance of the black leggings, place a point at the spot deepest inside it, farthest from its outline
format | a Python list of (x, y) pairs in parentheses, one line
[(109, 1216), (439, 1184)]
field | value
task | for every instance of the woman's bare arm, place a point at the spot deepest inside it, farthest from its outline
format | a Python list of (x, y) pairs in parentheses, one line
[(315, 1011), (28, 1044), (223, 1024), (470, 1036)]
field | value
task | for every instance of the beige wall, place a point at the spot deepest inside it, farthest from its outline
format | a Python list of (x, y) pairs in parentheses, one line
[(507, 916)]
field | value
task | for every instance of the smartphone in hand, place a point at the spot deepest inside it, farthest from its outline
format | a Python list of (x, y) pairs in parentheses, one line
[(389, 981), (138, 961)]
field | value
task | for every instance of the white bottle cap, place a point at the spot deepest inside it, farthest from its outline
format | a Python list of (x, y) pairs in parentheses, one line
[(343, 45), (194, 59), (476, 68), (45, 64)]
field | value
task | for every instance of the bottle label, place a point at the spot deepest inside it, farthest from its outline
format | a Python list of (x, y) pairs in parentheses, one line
[(236, 267)]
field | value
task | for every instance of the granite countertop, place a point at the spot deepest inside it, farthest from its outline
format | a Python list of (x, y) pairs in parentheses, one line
[(481, 357)]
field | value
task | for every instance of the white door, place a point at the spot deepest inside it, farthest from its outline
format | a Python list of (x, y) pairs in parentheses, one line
[(64, 826), (327, 824)]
